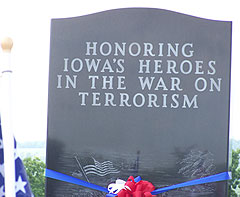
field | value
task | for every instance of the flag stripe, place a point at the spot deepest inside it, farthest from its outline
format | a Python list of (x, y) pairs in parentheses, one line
[(102, 174), (106, 170)]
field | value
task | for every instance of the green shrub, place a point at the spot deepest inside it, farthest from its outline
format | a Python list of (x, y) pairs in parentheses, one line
[(35, 169)]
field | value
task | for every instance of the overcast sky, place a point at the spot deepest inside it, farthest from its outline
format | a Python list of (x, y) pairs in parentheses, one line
[(27, 22)]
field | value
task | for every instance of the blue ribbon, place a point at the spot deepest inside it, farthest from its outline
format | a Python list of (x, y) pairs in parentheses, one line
[(210, 179), (63, 177)]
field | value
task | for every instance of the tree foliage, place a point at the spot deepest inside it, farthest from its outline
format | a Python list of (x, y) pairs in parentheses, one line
[(35, 169), (234, 184)]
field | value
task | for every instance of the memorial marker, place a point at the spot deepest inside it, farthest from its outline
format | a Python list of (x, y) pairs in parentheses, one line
[(141, 92)]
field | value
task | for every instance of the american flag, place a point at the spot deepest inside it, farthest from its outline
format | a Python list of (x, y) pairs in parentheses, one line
[(22, 186), (101, 169)]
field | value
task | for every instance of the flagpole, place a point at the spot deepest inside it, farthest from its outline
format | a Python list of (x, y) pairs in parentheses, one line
[(6, 123)]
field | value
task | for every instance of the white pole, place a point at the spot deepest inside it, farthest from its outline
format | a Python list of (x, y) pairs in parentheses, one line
[(6, 123)]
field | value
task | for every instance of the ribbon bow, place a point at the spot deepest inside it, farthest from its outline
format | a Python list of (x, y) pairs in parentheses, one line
[(136, 189)]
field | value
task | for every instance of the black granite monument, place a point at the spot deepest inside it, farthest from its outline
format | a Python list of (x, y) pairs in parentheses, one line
[(138, 91)]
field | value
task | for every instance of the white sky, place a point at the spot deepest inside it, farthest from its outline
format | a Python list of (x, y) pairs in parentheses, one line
[(27, 22)]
